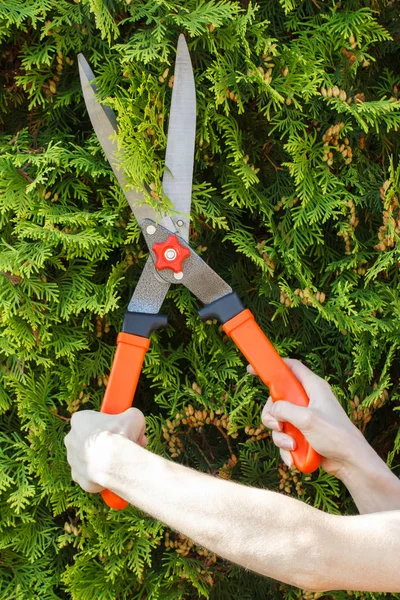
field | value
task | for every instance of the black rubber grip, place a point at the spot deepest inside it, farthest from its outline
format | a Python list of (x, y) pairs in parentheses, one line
[(223, 309), (143, 324)]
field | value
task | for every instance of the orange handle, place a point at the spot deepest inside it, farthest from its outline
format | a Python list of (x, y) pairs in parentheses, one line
[(274, 372), (121, 387)]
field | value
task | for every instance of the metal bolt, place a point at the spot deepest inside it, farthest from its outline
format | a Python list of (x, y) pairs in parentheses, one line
[(170, 254), (151, 229), (180, 223), (178, 275)]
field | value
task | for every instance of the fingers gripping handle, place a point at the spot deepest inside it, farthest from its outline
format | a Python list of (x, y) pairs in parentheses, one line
[(121, 387), (274, 372)]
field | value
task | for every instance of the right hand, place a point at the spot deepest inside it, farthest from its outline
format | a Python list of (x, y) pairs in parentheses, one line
[(324, 423), (87, 452)]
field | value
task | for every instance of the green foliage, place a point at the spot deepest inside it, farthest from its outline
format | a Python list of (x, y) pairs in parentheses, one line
[(296, 204)]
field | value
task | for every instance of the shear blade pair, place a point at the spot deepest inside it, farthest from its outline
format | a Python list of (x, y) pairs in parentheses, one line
[(172, 261)]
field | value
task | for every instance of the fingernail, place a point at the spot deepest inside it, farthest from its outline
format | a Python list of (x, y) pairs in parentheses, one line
[(288, 461), (287, 445), (272, 425)]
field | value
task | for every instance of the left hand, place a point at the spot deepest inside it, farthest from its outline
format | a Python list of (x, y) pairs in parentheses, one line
[(324, 424), (86, 447)]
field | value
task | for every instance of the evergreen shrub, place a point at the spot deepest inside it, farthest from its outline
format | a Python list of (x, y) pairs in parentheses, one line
[(295, 203)]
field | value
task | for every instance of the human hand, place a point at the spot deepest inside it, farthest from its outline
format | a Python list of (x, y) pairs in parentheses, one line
[(324, 423), (86, 443)]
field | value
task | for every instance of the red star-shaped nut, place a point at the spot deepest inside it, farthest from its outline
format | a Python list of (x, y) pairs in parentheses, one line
[(170, 254)]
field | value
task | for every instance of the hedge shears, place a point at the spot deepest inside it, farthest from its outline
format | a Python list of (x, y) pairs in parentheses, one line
[(172, 261)]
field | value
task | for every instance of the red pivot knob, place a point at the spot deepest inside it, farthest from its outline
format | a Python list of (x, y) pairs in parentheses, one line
[(170, 254)]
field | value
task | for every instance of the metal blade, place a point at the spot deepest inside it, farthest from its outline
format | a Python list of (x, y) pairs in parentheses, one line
[(178, 174), (105, 125), (150, 291), (196, 275)]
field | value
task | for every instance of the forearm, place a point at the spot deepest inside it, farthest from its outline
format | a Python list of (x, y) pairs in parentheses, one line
[(260, 530), (371, 483), (266, 532)]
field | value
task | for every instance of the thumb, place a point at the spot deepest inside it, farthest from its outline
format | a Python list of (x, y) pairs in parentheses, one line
[(299, 416), (130, 424)]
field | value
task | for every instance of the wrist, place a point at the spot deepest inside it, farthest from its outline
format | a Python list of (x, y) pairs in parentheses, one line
[(370, 481), (363, 462)]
